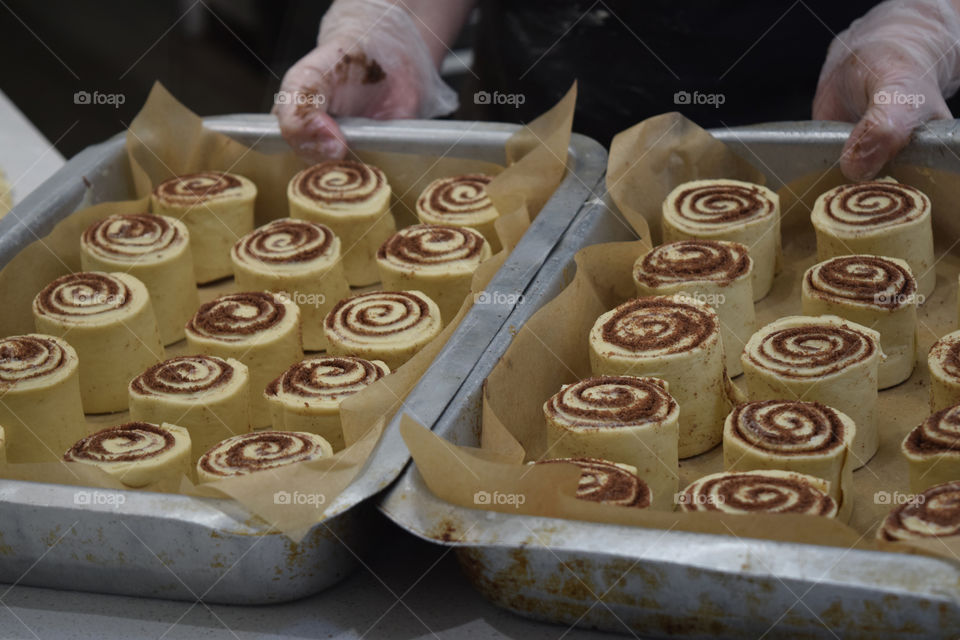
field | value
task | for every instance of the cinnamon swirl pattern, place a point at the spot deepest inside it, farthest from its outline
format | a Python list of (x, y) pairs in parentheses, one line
[(686, 261), (623, 419), (108, 318), (461, 201), (728, 210), (307, 396), (749, 492), (822, 359), (287, 242), (676, 339), (874, 291), (391, 326), (932, 449), (943, 360), (261, 451), (299, 259), (339, 183), (197, 188), (932, 514), (608, 482), (714, 271), (34, 358), (136, 453), (216, 207), (208, 396), (352, 199), (134, 238), (155, 250), (438, 260), (803, 437), (41, 411), (883, 218), (81, 296), (258, 328)]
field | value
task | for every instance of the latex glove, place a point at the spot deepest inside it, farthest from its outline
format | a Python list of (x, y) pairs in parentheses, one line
[(370, 61), (889, 73)]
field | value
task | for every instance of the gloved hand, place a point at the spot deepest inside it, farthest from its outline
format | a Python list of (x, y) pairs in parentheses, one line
[(371, 61), (889, 73)]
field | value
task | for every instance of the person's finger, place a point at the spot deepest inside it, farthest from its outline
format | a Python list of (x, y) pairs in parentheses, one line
[(885, 129), (313, 134), (832, 100), (306, 90)]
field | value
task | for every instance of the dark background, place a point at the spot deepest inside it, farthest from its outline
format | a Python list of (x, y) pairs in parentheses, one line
[(227, 56), (221, 56)]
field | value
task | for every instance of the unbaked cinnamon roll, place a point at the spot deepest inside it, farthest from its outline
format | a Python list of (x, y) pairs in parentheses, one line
[(258, 328), (943, 361), (622, 419), (728, 210), (822, 359), (676, 339), (208, 396), (40, 407), (136, 453), (155, 250), (438, 260), (108, 318), (353, 199), (749, 492), (932, 514), (307, 396), (301, 260), (260, 451), (217, 208), (391, 326), (713, 271), (804, 437), (609, 482), (877, 292), (881, 218), (932, 449), (461, 201)]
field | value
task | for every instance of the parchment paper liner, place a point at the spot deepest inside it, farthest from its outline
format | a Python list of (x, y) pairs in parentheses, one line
[(551, 349), (167, 139)]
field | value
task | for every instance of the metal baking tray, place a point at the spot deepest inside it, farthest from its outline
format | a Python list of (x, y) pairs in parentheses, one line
[(680, 584), (177, 547)]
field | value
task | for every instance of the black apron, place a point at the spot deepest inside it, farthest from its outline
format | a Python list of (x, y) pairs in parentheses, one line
[(718, 63)]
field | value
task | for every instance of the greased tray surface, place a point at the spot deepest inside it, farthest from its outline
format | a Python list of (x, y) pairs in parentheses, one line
[(672, 583), (171, 546)]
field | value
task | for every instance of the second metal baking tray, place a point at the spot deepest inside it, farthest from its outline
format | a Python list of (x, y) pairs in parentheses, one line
[(678, 584), (177, 547)]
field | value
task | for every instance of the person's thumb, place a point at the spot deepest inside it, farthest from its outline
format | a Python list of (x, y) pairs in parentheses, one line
[(885, 128)]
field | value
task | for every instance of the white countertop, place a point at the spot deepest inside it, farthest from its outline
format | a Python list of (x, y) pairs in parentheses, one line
[(26, 156)]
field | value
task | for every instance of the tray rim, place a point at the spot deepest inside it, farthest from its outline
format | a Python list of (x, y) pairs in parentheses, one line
[(400, 503), (363, 487)]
